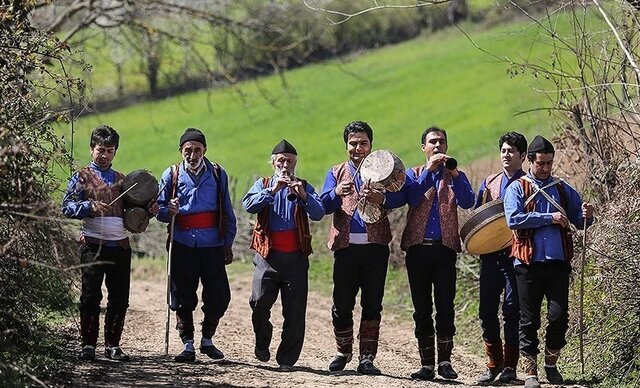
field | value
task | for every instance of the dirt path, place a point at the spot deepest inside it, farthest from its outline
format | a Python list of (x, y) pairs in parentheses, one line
[(144, 336)]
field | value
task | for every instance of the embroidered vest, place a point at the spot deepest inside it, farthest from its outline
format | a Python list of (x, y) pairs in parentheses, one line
[(417, 217), (492, 187), (377, 233), (94, 188), (261, 239), (522, 248)]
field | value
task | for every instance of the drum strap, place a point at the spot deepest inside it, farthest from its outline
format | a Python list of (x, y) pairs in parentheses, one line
[(548, 197)]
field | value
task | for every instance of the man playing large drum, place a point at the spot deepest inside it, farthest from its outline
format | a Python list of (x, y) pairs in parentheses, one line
[(196, 193), (282, 241), (361, 251), (539, 209), (432, 242), (496, 272)]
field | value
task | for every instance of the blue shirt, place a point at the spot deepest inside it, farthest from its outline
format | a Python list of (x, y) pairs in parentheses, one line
[(74, 204), (505, 181), (333, 202), (197, 196), (281, 216), (547, 241), (418, 186)]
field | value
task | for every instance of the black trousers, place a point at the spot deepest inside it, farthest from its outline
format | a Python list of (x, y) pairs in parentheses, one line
[(358, 267), (536, 281), (287, 274), (189, 266), (498, 278), (432, 267), (111, 264)]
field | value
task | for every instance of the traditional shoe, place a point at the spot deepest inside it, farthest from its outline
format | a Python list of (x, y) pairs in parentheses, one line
[(185, 356), (88, 353), (262, 355), (531, 382), (425, 373), (553, 376), (212, 352), (285, 368), (508, 374), (116, 353), (339, 362), (445, 370), (366, 367), (488, 376)]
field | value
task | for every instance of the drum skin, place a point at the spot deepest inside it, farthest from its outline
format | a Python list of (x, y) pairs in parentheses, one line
[(485, 230), (145, 190), (383, 167), (136, 219)]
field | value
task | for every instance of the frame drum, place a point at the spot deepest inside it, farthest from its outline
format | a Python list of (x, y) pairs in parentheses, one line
[(145, 190), (136, 219), (485, 230)]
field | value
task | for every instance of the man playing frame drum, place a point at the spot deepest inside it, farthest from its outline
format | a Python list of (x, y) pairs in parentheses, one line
[(496, 272), (282, 241), (360, 251), (539, 209), (432, 242)]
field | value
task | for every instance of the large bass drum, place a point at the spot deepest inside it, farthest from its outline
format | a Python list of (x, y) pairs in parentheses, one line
[(485, 230), (145, 190)]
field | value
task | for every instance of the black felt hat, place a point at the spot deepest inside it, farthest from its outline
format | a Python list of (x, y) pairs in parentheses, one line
[(540, 144), (284, 147), (192, 134)]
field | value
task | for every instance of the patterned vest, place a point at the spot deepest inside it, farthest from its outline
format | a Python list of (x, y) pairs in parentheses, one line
[(94, 188), (492, 187), (418, 216), (522, 248), (377, 233), (261, 239)]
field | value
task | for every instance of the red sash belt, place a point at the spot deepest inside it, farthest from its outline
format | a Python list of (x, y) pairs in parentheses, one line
[(197, 220), (285, 241)]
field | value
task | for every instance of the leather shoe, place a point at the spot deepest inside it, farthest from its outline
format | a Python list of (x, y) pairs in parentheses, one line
[(508, 374), (88, 353), (366, 367), (531, 382), (488, 376), (425, 373), (116, 353), (285, 368), (339, 362), (553, 376), (262, 355), (445, 370), (212, 352), (185, 356)]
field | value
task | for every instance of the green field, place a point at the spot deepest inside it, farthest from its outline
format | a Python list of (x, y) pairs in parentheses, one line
[(438, 79)]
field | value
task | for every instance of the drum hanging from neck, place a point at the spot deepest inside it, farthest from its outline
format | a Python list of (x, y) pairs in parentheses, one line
[(485, 230), (145, 190)]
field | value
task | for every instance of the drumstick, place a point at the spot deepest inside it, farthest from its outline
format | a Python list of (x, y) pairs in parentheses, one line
[(125, 192)]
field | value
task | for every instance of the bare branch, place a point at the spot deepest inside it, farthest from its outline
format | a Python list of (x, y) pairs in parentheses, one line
[(345, 16)]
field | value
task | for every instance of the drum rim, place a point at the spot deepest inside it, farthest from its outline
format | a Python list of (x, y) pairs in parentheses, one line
[(477, 211)]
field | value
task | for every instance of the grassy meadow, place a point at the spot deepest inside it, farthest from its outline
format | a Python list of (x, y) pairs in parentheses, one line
[(439, 79)]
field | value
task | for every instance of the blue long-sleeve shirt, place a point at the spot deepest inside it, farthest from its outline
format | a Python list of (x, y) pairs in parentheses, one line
[(74, 204), (333, 202), (281, 216), (197, 195), (504, 182), (547, 240), (418, 186)]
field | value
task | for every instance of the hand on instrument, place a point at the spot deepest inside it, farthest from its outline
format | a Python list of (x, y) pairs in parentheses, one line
[(153, 208), (174, 206), (281, 182), (435, 161), (561, 219), (587, 210), (373, 196), (98, 208), (228, 255), (344, 188), (297, 188)]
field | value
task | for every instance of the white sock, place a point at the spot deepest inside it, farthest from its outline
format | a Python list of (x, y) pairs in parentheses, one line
[(188, 346), (206, 341)]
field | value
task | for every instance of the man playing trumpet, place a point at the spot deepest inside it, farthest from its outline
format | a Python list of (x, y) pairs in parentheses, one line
[(282, 241)]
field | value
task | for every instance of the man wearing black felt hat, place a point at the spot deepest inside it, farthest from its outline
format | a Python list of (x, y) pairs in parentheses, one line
[(284, 203), (540, 209)]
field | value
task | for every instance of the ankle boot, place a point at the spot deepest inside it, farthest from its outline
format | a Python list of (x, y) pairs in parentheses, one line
[(496, 362), (344, 344), (445, 347), (551, 369), (511, 355), (427, 350), (369, 334)]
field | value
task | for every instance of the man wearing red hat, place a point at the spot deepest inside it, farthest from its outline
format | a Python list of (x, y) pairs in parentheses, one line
[(284, 203)]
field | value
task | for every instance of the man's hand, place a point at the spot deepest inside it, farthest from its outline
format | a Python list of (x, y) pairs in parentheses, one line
[(587, 210), (174, 206), (297, 187), (228, 255), (281, 182), (344, 188), (153, 208), (98, 208), (373, 196), (435, 161), (560, 219)]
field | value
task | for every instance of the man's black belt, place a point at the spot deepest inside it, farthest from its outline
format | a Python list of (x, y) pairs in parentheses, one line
[(430, 241)]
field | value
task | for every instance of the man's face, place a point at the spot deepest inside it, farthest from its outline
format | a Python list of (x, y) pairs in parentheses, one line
[(193, 153), (103, 155), (510, 157), (284, 164), (358, 146), (542, 165), (434, 143)]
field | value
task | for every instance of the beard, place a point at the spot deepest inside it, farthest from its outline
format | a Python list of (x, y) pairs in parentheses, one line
[(193, 164), (282, 172)]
